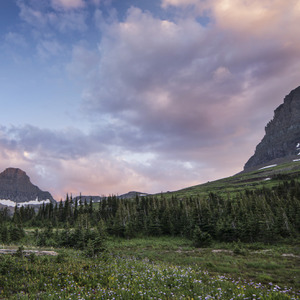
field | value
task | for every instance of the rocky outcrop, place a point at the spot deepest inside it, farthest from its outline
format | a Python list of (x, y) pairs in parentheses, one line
[(15, 186), (282, 137)]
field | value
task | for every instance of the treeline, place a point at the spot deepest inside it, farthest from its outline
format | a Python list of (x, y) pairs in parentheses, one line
[(264, 215)]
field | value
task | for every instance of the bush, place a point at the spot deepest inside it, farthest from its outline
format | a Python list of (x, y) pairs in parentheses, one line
[(95, 247), (201, 239), (20, 252), (32, 257), (238, 248), (16, 233), (61, 257)]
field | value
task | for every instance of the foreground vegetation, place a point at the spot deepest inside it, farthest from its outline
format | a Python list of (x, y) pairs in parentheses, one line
[(156, 268)]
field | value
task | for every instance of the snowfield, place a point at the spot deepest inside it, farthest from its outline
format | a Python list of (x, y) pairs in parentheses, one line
[(10, 203), (271, 166)]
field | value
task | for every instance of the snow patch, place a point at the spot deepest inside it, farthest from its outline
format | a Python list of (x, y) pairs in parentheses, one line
[(266, 179), (271, 166), (10, 203), (34, 202), (7, 202), (296, 159)]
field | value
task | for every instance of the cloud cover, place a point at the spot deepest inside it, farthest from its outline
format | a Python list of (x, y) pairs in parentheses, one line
[(169, 101)]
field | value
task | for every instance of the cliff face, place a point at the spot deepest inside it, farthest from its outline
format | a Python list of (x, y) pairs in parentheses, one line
[(282, 137), (15, 186)]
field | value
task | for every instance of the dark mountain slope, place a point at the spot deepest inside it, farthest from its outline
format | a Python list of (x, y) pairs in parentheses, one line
[(281, 142)]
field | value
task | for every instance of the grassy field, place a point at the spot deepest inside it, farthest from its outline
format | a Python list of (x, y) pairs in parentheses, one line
[(156, 268), (278, 264)]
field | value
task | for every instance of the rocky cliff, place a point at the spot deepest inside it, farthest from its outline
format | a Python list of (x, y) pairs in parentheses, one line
[(282, 137), (15, 187)]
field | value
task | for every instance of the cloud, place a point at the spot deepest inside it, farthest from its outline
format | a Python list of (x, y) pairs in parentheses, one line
[(84, 62), (16, 39), (267, 18), (94, 172), (48, 48), (69, 143), (44, 20), (157, 77), (69, 162), (221, 74), (166, 3), (67, 4), (180, 90), (31, 15), (193, 7), (66, 21), (260, 18)]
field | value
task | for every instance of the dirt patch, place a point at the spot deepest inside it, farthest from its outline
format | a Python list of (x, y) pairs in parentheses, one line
[(221, 250), (290, 255), (28, 252), (265, 251)]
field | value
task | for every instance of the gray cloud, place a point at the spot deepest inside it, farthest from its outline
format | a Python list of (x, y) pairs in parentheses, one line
[(158, 77), (66, 144), (176, 88)]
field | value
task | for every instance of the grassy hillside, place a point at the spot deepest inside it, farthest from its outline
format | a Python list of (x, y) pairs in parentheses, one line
[(267, 177)]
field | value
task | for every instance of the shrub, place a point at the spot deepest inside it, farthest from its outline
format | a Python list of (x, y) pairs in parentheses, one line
[(201, 239), (20, 252), (238, 248)]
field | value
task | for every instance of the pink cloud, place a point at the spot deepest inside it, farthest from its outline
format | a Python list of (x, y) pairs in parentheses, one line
[(166, 3), (256, 17), (259, 18)]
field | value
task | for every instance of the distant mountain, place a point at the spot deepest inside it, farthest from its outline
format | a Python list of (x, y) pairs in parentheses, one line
[(16, 188), (128, 195), (281, 142), (132, 194)]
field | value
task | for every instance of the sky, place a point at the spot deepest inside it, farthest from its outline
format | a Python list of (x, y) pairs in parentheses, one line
[(104, 97)]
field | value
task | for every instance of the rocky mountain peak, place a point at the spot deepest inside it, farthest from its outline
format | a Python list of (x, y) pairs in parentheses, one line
[(16, 187), (282, 137), (14, 174)]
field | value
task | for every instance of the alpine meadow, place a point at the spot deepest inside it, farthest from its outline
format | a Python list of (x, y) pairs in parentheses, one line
[(150, 150)]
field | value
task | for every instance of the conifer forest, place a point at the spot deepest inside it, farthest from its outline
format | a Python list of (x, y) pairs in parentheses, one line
[(263, 215)]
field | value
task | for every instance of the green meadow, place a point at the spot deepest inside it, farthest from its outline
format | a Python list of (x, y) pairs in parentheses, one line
[(155, 268)]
